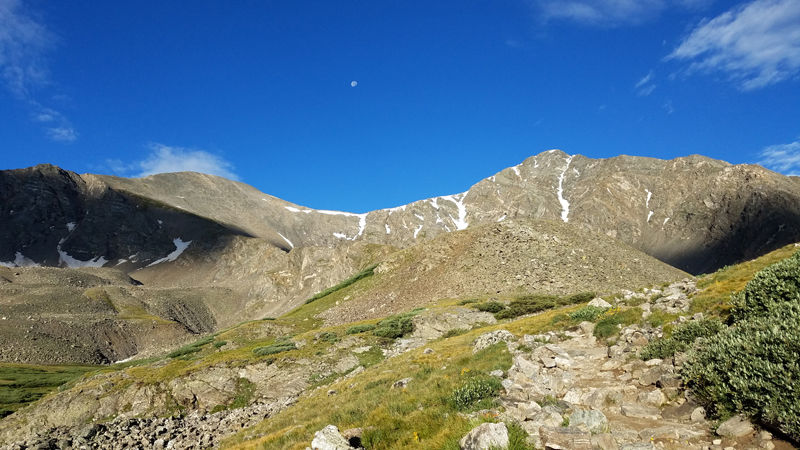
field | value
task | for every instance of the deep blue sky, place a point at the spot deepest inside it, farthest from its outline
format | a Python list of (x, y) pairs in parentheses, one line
[(448, 92)]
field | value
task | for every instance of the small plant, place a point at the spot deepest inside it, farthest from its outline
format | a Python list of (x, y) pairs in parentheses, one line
[(191, 348), (283, 345), (475, 390), (268, 318), (356, 329), (328, 336), (220, 344), (468, 301), (609, 325), (454, 332), (588, 313)]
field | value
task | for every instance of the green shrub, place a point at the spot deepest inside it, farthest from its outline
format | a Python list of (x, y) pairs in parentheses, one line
[(529, 304), (355, 329), (328, 336), (277, 347), (491, 307), (609, 326), (220, 344), (682, 338), (752, 368), (581, 297), (191, 348), (394, 327), (468, 301), (518, 437), (769, 290), (590, 313), (369, 271), (473, 391)]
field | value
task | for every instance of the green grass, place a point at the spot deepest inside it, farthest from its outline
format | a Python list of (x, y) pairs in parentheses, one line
[(610, 324), (369, 271), (21, 384)]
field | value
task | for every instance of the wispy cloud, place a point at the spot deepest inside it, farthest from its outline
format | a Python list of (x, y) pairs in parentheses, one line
[(755, 45), (783, 158), (164, 159), (645, 85), (610, 13), (24, 44)]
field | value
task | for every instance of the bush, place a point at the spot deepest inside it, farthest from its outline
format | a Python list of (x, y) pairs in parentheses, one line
[(682, 338), (528, 305), (474, 390), (769, 290), (191, 348), (277, 347), (491, 307), (454, 332), (468, 301), (582, 297), (220, 344), (394, 327), (590, 313), (752, 368), (355, 329)]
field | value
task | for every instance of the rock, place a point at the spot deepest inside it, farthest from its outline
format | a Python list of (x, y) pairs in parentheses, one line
[(486, 436), (353, 436), (638, 446), (654, 398), (587, 328), (736, 426), (428, 351), (599, 303), (698, 414), (604, 441), (651, 376), (497, 373), (549, 418), (593, 420), (557, 438), (487, 340), (329, 438), (401, 384), (640, 411)]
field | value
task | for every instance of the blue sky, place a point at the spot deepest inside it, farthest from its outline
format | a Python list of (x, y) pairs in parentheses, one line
[(359, 105)]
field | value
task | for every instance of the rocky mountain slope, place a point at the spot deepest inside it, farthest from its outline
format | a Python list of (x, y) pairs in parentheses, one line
[(686, 212)]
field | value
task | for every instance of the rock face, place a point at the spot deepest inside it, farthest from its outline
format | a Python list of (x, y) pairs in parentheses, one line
[(329, 438)]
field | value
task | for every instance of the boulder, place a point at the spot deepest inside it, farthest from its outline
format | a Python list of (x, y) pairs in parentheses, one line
[(329, 438), (599, 303), (593, 420), (558, 438), (736, 426), (486, 436)]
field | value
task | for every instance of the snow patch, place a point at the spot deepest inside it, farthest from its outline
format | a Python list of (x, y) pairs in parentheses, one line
[(564, 202), (461, 222), (388, 230), (516, 171), (492, 178), (649, 215), (418, 216), (20, 260), (665, 221), (340, 235), (396, 208), (287, 240), (296, 210), (180, 246), (416, 231), (649, 196), (70, 226), (122, 261), (502, 218), (434, 203)]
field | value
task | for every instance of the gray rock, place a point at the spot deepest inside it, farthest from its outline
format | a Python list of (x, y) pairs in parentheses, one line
[(640, 411), (558, 438), (488, 339), (401, 384), (604, 441), (329, 438), (486, 436), (736, 426), (698, 414), (600, 303), (593, 420)]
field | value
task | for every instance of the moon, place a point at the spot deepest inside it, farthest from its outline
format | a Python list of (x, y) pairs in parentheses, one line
[(353, 83)]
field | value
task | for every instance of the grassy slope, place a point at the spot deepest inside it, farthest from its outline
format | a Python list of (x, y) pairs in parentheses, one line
[(366, 400)]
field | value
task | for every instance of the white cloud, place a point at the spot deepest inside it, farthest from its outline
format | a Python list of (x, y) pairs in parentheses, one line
[(24, 43), (611, 13), (62, 134), (783, 158), (755, 45), (645, 86), (164, 158)]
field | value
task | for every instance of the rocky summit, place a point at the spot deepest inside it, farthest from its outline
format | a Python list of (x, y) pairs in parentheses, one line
[(563, 303)]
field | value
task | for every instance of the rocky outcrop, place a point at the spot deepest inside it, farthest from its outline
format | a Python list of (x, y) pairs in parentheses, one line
[(486, 436)]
